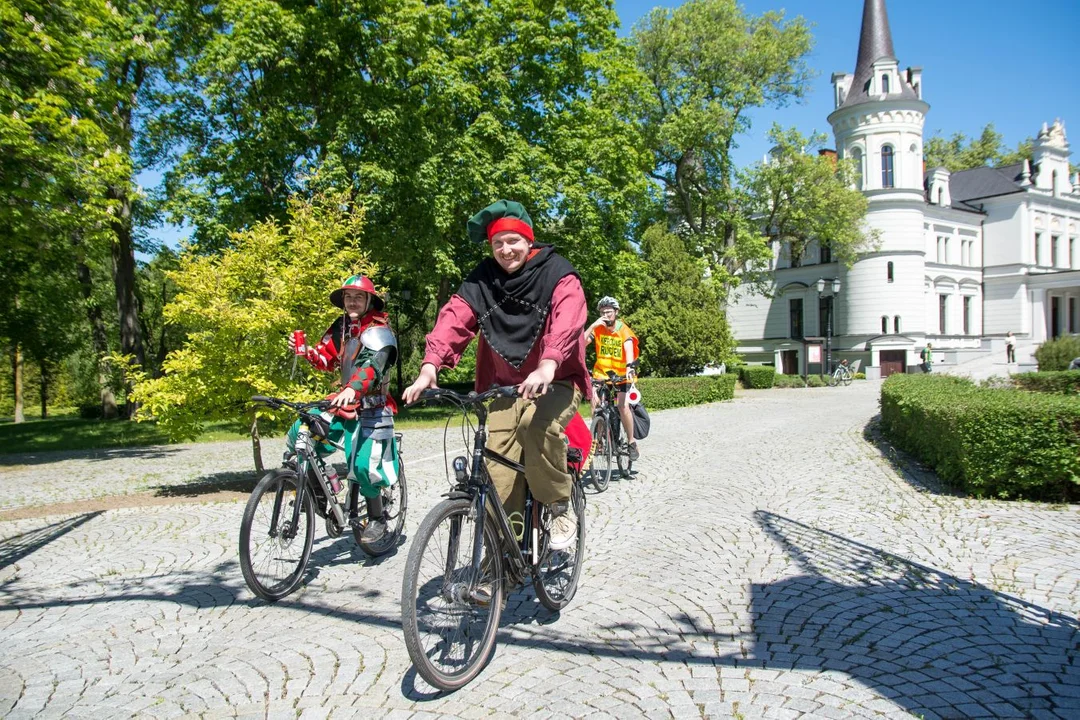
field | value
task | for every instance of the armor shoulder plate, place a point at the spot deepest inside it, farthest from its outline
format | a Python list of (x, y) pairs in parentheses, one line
[(377, 337)]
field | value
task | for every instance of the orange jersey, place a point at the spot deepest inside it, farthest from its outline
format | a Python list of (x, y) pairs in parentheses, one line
[(611, 348)]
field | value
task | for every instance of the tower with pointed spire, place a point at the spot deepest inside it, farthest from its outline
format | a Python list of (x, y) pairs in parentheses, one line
[(878, 123)]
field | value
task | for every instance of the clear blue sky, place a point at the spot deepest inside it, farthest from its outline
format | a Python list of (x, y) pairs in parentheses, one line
[(1004, 62)]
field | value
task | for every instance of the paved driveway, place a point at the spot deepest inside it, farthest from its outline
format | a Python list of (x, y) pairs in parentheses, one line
[(766, 562)]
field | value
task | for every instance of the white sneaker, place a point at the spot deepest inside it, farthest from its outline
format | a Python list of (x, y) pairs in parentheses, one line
[(563, 526)]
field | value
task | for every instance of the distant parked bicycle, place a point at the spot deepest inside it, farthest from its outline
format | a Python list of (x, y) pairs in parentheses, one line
[(841, 375), (468, 554), (279, 521), (608, 446)]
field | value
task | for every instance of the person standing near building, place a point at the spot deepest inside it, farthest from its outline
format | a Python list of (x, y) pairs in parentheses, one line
[(1010, 348), (927, 356)]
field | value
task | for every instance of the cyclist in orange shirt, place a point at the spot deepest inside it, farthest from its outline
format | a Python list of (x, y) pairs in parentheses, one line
[(616, 345)]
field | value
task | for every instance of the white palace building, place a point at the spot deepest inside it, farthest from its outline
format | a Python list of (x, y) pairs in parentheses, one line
[(963, 258)]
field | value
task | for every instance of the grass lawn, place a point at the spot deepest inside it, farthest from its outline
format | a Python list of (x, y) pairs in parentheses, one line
[(65, 430)]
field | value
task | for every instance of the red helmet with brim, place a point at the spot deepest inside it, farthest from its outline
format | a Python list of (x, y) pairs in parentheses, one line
[(357, 282)]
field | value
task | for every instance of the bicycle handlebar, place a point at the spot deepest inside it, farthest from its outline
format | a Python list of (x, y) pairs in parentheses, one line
[(276, 403), (470, 398)]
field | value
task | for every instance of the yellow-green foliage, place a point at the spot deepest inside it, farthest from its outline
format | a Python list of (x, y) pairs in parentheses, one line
[(239, 307)]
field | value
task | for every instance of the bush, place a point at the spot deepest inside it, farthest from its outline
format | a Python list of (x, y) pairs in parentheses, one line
[(1056, 354), (757, 376), (988, 442), (817, 381), (665, 393), (788, 381), (1066, 382), (860, 376)]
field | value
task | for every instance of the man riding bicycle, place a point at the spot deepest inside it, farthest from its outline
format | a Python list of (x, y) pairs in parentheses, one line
[(527, 304), (362, 412), (616, 347)]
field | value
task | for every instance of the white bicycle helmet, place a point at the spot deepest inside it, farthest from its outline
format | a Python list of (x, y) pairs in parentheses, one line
[(607, 301)]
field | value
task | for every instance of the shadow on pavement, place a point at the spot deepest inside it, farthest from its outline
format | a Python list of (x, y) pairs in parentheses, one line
[(14, 549), (932, 643), (207, 484), (152, 452)]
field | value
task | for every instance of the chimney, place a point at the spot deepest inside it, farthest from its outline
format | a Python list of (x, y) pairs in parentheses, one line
[(828, 153), (914, 78)]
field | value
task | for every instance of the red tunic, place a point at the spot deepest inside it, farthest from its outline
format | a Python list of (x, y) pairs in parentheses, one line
[(561, 340)]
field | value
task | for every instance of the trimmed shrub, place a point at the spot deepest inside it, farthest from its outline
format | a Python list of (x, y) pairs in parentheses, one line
[(665, 393), (1056, 354), (860, 376), (788, 381), (817, 381), (757, 376), (1065, 382), (988, 442)]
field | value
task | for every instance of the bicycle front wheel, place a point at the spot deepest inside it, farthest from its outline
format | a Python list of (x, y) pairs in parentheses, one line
[(600, 464), (273, 558), (847, 377), (558, 572), (834, 378), (395, 502), (449, 634)]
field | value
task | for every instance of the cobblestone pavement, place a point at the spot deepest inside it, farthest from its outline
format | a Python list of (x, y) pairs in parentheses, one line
[(765, 562)]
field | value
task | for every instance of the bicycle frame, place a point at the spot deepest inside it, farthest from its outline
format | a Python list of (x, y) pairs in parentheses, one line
[(305, 466)]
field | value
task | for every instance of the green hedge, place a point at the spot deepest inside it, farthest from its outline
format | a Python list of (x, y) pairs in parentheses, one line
[(989, 442), (1056, 354), (664, 393), (757, 376), (1064, 382)]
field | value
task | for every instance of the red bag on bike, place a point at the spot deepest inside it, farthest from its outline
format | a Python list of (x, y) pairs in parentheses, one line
[(578, 435)]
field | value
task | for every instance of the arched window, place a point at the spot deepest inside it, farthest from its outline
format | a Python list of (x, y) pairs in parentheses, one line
[(896, 324), (889, 271), (856, 155), (940, 195), (885, 84), (886, 166), (884, 324)]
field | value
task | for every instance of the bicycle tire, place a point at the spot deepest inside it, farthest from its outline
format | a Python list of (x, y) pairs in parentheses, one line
[(847, 377), (600, 462), (555, 586), (427, 600), (834, 379), (622, 459), (395, 504), (282, 559)]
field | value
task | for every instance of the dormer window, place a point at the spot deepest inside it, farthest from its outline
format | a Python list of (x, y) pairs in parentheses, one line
[(885, 84)]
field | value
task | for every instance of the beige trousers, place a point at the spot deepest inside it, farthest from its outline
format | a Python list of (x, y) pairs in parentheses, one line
[(532, 432)]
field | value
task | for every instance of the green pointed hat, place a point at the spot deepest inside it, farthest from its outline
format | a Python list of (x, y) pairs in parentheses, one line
[(499, 217)]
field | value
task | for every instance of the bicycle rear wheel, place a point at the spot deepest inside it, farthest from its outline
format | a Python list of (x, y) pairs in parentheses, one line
[(558, 572), (450, 636), (395, 502), (274, 562), (622, 457)]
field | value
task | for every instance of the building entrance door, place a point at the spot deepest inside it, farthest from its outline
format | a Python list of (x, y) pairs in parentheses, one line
[(893, 361), (789, 362)]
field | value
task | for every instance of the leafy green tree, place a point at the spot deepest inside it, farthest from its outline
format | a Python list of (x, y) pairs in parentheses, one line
[(425, 112), (678, 316), (958, 152), (703, 66), (239, 307), (800, 195)]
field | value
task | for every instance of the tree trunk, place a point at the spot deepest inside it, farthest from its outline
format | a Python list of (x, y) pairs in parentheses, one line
[(98, 337), (17, 368), (256, 446), (444, 293), (44, 391), (123, 255)]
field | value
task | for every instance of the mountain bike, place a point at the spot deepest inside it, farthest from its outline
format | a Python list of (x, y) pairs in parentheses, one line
[(278, 527), (841, 375), (468, 554), (608, 447)]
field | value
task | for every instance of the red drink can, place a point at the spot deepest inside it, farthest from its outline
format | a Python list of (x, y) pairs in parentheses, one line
[(300, 341)]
